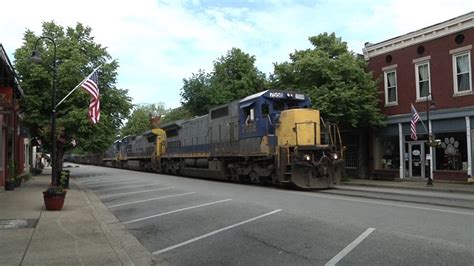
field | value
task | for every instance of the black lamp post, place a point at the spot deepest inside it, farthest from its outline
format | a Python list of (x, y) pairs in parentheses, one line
[(431, 139), (36, 57)]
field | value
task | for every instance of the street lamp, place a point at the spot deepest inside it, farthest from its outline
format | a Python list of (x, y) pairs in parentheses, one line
[(432, 142), (36, 57)]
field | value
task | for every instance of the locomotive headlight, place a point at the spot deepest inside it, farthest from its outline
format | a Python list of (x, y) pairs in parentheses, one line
[(335, 156), (307, 157)]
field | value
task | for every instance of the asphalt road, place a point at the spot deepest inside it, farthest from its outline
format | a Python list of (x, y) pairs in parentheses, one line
[(187, 221)]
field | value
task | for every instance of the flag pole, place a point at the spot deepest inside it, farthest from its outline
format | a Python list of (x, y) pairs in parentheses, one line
[(75, 88), (421, 120)]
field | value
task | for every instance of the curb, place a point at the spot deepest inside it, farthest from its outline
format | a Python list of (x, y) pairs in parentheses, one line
[(433, 188), (469, 205), (128, 249)]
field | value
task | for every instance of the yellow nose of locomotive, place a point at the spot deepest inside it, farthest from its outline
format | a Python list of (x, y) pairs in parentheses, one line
[(299, 127)]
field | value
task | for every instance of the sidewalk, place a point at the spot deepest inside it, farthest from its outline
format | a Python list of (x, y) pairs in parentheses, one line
[(412, 184), (83, 233), (413, 191)]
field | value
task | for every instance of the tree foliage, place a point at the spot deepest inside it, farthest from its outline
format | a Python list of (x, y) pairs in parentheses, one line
[(176, 114), (77, 56), (139, 121), (234, 76), (335, 79)]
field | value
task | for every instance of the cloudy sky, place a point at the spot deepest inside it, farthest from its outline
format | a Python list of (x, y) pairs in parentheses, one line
[(160, 42)]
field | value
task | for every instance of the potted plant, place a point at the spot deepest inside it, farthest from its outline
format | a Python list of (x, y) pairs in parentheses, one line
[(10, 182), (54, 196)]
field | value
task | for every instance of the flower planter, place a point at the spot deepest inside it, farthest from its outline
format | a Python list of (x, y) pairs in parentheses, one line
[(17, 182), (9, 185), (54, 202)]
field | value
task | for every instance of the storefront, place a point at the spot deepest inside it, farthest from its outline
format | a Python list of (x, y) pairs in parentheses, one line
[(396, 155)]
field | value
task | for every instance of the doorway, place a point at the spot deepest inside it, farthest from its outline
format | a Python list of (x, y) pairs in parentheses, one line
[(416, 159)]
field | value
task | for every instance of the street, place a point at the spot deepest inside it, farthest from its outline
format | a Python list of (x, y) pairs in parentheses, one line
[(188, 221)]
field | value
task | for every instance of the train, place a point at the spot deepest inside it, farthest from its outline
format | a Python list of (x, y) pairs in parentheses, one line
[(271, 137)]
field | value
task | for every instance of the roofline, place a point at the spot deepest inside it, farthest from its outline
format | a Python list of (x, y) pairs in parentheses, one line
[(4, 55), (435, 31)]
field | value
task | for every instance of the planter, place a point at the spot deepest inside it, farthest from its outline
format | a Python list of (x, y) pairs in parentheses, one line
[(54, 202), (17, 182), (9, 185)]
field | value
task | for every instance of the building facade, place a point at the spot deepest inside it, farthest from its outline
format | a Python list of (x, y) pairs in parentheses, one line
[(14, 145), (431, 70)]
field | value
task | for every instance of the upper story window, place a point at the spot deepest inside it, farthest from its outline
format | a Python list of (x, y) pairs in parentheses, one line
[(462, 73), (390, 81), (423, 84)]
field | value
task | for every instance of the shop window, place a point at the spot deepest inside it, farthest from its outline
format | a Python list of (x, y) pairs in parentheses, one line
[(452, 153), (351, 157), (389, 153)]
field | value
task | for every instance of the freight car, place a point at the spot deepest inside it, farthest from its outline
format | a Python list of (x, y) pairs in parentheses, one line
[(269, 137)]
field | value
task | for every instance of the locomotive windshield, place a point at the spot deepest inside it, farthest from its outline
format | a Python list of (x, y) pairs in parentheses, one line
[(284, 104)]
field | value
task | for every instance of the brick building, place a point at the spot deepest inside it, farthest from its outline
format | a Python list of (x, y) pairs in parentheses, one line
[(430, 68), (14, 145)]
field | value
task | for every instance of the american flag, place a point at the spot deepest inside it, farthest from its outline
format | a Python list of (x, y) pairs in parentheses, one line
[(414, 118), (91, 87)]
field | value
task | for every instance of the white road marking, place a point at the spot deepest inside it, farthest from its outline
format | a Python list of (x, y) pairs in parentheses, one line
[(142, 185), (115, 183), (350, 247), (140, 201), (214, 232), (107, 180), (382, 203), (179, 210), (134, 192)]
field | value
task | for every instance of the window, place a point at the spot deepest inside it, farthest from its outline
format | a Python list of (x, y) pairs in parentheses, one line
[(351, 157), (462, 72), (388, 153), (452, 153), (265, 109), (390, 81), (249, 114), (423, 86), (221, 112)]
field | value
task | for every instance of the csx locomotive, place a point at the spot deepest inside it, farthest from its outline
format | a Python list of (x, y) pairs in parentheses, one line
[(269, 137)]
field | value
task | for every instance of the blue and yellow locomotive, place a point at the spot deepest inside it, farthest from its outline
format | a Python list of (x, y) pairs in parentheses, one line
[(269, 137)]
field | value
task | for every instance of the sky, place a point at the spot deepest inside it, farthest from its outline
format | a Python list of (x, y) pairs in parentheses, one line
[(158, 43)]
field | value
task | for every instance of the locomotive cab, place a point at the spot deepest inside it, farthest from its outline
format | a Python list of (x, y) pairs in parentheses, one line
[(304, 160), (281, 124)]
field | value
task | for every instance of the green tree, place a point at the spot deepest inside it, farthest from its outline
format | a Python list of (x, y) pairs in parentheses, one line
[(176, 114), (234, 76), (139, 121), (77, 56), (339, 86), (335, 79), (197, 94)]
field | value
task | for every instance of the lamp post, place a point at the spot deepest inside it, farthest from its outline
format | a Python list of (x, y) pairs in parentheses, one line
[(36, 57), (431, 139)]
